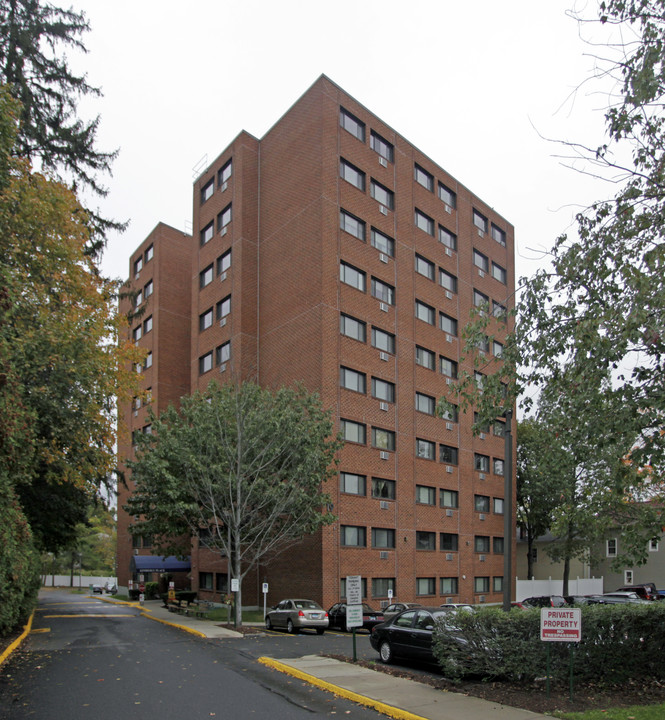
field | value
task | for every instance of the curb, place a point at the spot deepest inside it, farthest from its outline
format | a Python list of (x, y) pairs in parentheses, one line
[(389, 710), (175, 625), (26, 631)]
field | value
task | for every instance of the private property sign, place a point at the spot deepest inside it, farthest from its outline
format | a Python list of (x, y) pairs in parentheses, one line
[(561, 624)]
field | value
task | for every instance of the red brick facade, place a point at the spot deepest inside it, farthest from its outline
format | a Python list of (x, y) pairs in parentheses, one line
[(291, 214)]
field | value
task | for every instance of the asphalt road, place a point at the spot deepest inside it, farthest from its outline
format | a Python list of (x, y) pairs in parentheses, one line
[(88, 659)]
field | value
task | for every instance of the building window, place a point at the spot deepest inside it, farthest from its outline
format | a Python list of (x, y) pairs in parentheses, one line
[(499, 428), (449, 542), (425, 357), (448, 367), (383, 390), (425, 403), (481, 544), (353, 536), (481, 503), (497, 583), (424, 222), (352, 276), (381, 146), (383, 292), (422, 177), (448, 454), (480, 300), (225, 172), (499, 235), (224, 307), (497, 545), (448, 324), (447, 238), (353, 432), (447, 196), (207, 233), (383, 439), (481, 427), (498, 506), (351, 124), (381, 586), (205, 581), (449, 586), (138, 266), (611, 547), (205, 319), (383, 243), (425, 312), (205, 363), (424, 267), (447, 281), (481, 585), (224, 218), (139, 298), (449, 499), (223, 353), (382, 194), (480, 261), (147, 363), (383, 538), (207, 190), (149, 253), (221, 583), (425, 586), (499, 311), (352, 380), (352, 225), (425, 495), (206, 276), (352, 328), (497, 348), (352, 174), (147, 324), (480, 221), (223, 262), (383, 489), (383, 340), (481, 463), (425, 540), (424, 449), (137, 333), (498, 466), (627, 577), (147, 290), (451, 414), (499, 273), (653, 545), (479, 380), (352, 484)]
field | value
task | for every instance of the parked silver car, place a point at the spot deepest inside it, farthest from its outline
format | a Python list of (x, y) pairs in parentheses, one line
[(396, 608), (297, 615)]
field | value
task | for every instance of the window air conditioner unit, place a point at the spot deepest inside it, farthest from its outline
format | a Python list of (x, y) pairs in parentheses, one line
[(482, 558), (383, 455), (383, 161), (222, 322), (383, 406), (449, 426), (482, 436), (222, 276), (224, 186), (136, 551), (449, 513), (383, 555), (481, 273), (449, 338), (384, 505), (137, 275), (481, 233), (449, 252), (482, 476), (449, 381), (383, 257), (383, 306), (222, 367), (449, 295), (383, 209), (481, 516), (481, 598), (449, 469), (224, 230), (449, 556), (448, 208), (136, 413), (383, 356)]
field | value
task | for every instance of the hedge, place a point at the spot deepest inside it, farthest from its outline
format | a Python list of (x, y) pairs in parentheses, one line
[(620, 643)]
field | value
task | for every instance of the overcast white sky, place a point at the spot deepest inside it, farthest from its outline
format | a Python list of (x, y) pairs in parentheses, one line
[(474, 85)]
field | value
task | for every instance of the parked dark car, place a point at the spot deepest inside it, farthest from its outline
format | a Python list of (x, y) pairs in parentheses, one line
[(297, 615), (409, 634), (622, 597), (337, 616), (97, 590), (545, 601), (647, 591), (396, 608)]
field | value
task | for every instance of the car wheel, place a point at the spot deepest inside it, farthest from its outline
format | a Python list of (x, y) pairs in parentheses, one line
[(289, 627), (386, 652), (320, 631), (268, 623)]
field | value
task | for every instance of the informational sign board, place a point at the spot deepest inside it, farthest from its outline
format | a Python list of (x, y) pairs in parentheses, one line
[(235, 585), (354, 616), (561, 624), (265, 588), (354, 595), (390, 593)]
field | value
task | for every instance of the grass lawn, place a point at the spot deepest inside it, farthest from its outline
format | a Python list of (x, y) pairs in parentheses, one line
[(637, 712)]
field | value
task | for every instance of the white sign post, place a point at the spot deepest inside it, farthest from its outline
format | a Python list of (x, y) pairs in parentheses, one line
[(560, 625), (354, 606), (265, 595)]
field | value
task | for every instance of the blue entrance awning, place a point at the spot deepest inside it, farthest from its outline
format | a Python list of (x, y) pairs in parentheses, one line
[(152, 563)]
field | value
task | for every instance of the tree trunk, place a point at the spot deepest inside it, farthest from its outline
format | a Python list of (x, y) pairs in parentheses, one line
[(566, 575), (529, 556)]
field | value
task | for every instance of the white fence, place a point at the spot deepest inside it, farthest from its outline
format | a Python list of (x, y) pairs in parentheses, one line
[(578, 586), (82, 581)]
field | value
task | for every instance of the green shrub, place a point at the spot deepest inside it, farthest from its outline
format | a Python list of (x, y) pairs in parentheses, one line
[(151, 590), (620, 643)]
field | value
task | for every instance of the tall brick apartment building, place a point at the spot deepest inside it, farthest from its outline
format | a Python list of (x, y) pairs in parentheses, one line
[(332, 251)]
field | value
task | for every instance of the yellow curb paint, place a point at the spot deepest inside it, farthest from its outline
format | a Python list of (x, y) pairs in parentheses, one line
[(389, 710), (36, 631), (180, 627), (89, 615), (26, 631)]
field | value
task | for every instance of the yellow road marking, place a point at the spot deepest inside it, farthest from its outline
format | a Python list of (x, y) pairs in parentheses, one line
[(89, 615), (40, 630)]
